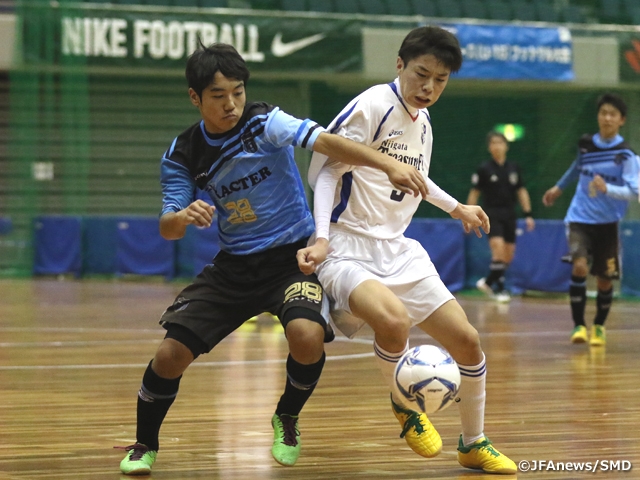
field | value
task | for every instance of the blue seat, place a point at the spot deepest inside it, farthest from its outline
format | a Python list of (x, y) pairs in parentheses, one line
[(373, 7), (634, 13), (547, 13), (347, 6), (449, 8), (294, 5), (573, 14), (499, 10), (611, 9), (424, 7), (524, 11), (474, 9), (399, 7), (213, 3), (186, 3), (5, 225), (321, 6)]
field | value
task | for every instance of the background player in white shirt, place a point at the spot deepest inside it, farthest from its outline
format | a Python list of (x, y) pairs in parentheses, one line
[(372, 273)]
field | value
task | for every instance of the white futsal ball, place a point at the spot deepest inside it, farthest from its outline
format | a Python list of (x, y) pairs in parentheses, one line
[(427, 378)]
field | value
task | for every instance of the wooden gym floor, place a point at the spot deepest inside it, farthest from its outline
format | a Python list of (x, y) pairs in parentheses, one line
[(72, 354)]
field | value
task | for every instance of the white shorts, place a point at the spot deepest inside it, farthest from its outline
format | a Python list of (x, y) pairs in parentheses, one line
[(401, 264)]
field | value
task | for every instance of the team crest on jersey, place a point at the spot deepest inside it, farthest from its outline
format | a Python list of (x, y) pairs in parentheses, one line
[(248, 142), (619, 158), (513, 178)]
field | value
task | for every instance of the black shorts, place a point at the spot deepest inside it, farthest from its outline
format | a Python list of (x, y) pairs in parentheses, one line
[(237, 287), (503, 223), (598, 243)]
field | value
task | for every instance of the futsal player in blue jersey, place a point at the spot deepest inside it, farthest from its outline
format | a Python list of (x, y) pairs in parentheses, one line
[(592, 218), (241, 154)]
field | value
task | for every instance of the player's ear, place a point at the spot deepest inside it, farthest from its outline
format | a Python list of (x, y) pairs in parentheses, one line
[(194, 97), (399, 65)]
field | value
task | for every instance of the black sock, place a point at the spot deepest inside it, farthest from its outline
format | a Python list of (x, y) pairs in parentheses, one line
[(496, 272), (154, 399), (301, 381), (603, 303), (578, 296)]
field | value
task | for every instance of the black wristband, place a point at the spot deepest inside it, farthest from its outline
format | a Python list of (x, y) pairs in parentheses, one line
[(527, 214)]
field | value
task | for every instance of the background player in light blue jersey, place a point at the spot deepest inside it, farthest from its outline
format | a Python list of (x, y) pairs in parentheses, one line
[(241, 154), (592, 219)]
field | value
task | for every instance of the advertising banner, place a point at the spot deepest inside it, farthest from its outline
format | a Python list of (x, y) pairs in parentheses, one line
[(163, 37), (514, 52)]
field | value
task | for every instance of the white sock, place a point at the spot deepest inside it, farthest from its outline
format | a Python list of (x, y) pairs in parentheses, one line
[(387, 362), (471, 397)]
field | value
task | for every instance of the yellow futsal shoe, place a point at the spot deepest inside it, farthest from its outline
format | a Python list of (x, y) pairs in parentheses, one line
[(418, 432), (579, 334), (598, 336), (481, 455)]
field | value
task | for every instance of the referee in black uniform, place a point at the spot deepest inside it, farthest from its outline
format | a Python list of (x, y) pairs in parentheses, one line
[(500, 183)]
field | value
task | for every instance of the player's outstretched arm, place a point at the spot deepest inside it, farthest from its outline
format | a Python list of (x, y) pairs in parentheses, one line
[(473, 217), (173, 225), (402, 176), (551, 195), (474, 195), (525, 203)]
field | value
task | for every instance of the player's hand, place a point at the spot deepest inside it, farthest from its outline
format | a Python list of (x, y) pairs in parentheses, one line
[(597, 185), (473, 217), (199, 213), (551, 195), (310, 257), (531, 223), (407, 179)]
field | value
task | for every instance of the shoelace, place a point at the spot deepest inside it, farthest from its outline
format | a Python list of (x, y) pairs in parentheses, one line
[(487, 445), (138, 451), (290, 430)]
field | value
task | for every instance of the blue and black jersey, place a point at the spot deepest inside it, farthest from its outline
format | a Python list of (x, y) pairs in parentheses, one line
[(616, 163), (250, 175)]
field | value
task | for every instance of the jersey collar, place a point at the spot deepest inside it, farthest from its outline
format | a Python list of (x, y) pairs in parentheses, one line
[(414, 113), (600, 143)]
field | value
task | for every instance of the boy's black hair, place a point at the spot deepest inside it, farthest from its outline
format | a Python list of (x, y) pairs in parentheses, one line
[(436, 41), (494, 133), (203, 64), (614, 100)]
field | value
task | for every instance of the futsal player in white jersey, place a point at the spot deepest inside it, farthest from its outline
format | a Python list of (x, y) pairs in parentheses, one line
[(371, 272)]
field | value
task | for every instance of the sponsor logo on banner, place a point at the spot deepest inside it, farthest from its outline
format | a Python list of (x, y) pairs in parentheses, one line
[(514, 52)]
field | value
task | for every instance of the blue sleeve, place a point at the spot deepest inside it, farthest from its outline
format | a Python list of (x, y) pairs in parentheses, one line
[(283, 130), (178, 189), (629, 188), (571, 175)]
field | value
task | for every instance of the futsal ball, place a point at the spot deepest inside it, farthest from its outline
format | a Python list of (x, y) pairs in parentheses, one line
[(427, 378)]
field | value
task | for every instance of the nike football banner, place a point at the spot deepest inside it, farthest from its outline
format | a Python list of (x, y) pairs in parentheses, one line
[(163, 37), (514, 52)]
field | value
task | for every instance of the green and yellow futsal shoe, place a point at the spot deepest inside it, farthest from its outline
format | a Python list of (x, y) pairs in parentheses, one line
[(481, 455), (418, 431), (138, 461), (286, 439)]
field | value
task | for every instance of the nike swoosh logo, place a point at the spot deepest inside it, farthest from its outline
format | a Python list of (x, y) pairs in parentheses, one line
[(281, 49)]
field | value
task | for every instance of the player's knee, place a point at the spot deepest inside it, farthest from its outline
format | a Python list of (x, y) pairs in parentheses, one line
[(172, 359), (306, 340), (393, 325), (467, 349)]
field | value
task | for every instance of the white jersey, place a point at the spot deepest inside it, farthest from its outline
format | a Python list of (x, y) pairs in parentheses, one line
[(365, 201)]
